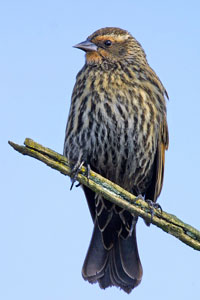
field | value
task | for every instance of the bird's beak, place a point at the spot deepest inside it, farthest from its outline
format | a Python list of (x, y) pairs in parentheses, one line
[(86, 46)]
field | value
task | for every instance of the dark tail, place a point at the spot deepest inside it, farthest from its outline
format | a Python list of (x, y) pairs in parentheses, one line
[(120, 266)]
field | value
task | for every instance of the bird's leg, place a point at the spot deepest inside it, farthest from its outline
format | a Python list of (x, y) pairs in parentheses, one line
[(87, 174), (76, 169), (139, 197), (88, 171), (153, 205)]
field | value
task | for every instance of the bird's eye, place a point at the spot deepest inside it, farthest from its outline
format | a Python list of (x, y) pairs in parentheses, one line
[(107, 43)]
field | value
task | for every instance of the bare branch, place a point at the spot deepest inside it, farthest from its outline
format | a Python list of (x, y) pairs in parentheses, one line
[(167, 222)]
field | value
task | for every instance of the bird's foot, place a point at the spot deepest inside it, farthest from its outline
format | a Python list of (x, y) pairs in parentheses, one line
[(152, 206), (76, 169), (74, 173), (139, 197)]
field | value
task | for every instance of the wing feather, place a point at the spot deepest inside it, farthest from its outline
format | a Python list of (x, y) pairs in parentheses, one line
[(155, 187)]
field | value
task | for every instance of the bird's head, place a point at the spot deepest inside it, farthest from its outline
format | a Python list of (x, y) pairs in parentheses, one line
[(113, 45)]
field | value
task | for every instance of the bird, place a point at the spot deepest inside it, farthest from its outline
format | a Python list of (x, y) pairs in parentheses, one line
[(117, 127)]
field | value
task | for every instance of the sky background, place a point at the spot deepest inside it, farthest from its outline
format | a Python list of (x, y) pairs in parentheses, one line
[(44, 228)]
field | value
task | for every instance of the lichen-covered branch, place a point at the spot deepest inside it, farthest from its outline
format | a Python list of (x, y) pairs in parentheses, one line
[(167, 222)]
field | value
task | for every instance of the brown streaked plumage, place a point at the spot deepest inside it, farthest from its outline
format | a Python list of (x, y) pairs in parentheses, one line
[(117, 125)]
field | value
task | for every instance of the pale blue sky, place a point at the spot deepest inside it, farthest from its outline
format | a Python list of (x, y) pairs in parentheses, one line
[(44, 228)]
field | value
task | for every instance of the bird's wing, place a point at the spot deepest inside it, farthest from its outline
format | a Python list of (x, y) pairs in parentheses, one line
[(159, 163)]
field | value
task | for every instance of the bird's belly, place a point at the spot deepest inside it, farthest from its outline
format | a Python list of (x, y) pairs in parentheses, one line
[(122, 154), (118, 143)]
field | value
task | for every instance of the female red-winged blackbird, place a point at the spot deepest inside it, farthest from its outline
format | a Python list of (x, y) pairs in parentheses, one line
[(117, 126)]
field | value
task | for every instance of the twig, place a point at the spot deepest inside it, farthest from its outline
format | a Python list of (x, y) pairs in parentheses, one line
[(167, 222)]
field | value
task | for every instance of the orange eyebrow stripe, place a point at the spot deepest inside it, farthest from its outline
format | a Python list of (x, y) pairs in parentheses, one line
[(112, 38), (105, 38)]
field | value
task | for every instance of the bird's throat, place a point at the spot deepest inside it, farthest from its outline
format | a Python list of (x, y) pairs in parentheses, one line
[(93, 57)]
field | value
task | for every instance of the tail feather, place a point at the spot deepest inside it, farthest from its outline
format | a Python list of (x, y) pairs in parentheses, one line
[(130, 257), (120, 266), (96, 258)]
